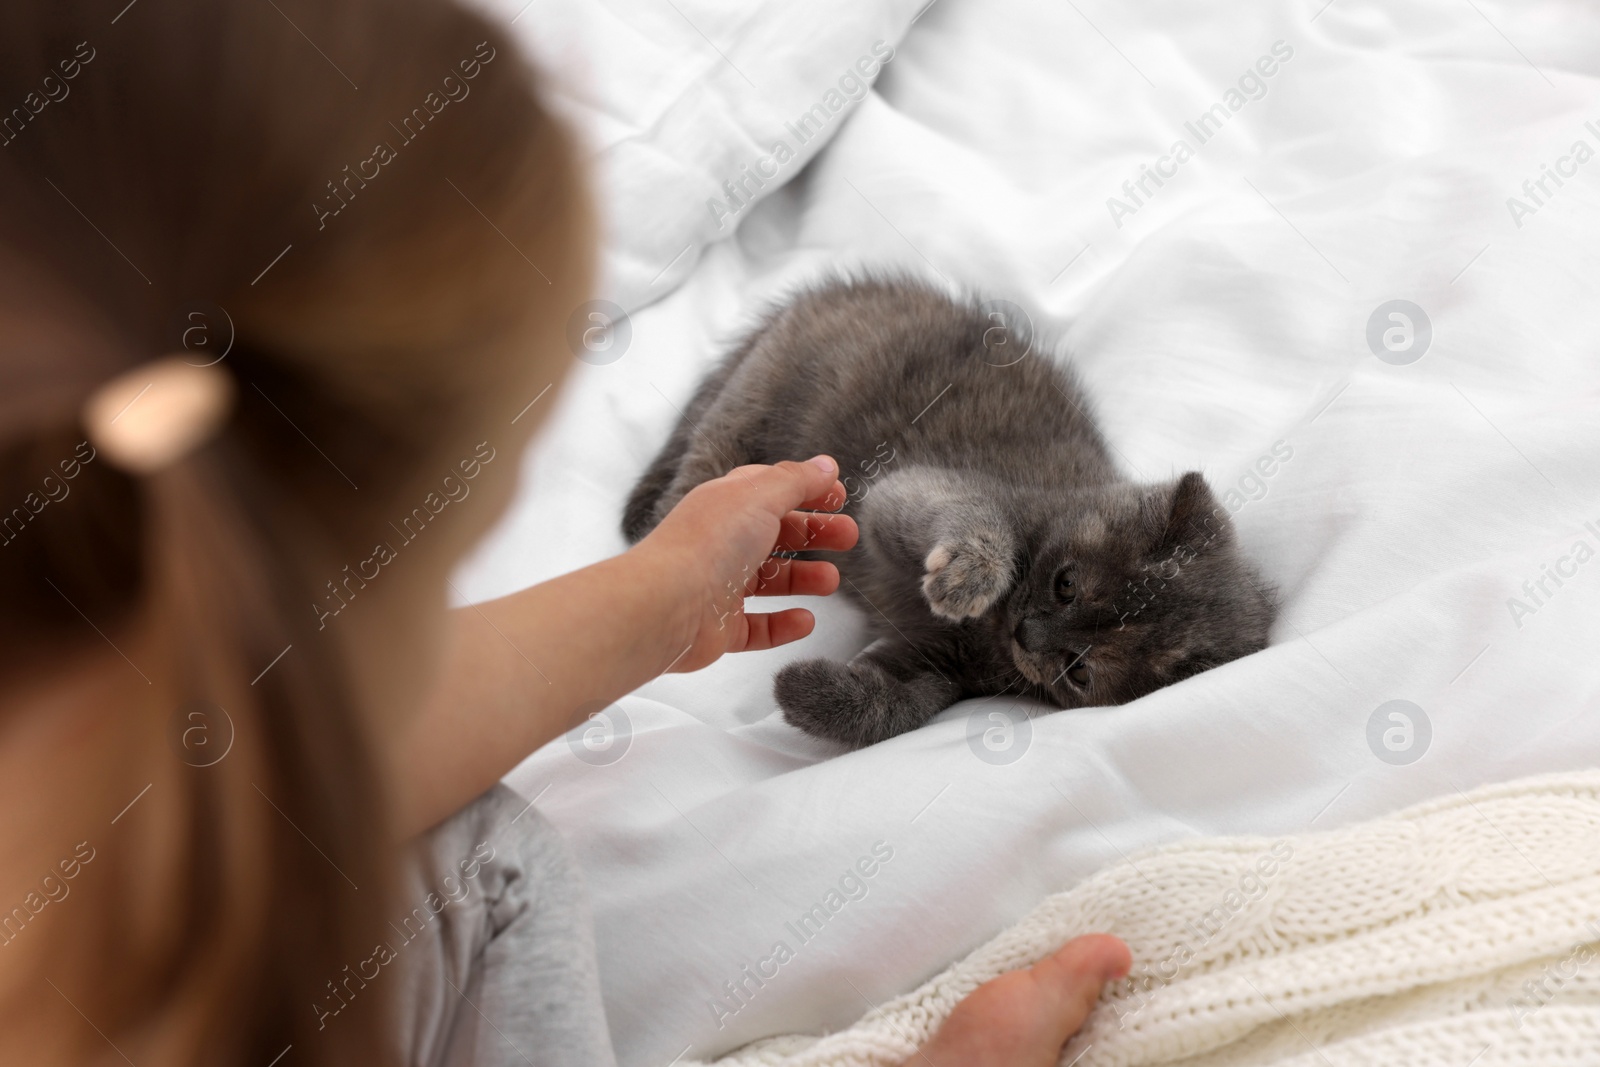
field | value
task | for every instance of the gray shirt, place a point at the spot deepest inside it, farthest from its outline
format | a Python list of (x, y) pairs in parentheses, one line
[(496, 953)]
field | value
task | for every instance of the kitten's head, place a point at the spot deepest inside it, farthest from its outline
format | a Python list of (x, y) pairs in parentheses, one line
[(1134, 588)]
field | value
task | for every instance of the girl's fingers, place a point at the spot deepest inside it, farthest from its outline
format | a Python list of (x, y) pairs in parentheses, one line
[(777, 628), (782, 487), (831, 499), (809, 530), (794, 577)]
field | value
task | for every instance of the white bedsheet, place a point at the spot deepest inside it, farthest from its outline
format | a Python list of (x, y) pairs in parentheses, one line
[(1228, 313)]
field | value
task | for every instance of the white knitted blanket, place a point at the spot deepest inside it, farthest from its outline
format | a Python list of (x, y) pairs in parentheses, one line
[(1462, 932)]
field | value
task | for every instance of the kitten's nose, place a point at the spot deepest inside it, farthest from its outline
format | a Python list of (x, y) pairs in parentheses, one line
[(1030, 634)]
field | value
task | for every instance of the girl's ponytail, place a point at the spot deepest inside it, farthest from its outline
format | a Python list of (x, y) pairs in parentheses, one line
[(206, 154)]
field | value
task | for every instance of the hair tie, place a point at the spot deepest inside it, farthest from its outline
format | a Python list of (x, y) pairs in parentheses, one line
[(150, 417)]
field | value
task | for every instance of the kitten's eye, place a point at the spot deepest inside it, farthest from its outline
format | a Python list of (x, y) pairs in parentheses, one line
[(1065, 589), (1078, 674)]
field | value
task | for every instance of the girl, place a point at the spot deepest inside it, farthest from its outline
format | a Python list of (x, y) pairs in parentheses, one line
[(278, 281)]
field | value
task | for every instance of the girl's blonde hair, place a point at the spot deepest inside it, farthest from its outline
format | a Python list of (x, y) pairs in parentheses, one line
[(360, 201)]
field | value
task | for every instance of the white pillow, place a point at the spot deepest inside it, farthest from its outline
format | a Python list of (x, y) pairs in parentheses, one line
[(694, 110)]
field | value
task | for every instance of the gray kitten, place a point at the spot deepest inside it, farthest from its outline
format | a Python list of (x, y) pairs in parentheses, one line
[(1000, 551)]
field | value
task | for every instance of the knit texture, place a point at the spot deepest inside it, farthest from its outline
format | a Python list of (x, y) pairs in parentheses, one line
[(1462, 931)]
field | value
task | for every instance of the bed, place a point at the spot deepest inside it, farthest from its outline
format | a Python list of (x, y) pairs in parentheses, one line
[(1340, 256)]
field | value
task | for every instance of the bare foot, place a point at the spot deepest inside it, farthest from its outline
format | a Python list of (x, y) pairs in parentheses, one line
[(1023, 1018)]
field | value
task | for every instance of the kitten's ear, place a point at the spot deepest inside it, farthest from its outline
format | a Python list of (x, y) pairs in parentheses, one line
[(1193, 521)]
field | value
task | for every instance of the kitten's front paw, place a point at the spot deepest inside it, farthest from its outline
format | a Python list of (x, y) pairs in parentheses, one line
[(818, 696), (853, 703), (964, 579)]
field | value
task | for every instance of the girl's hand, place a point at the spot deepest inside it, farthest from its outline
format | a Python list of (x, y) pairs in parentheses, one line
[(716, 548), (1023, 1018), (526, 668)]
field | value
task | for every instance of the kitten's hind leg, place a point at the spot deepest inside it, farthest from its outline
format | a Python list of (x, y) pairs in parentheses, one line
[(886, 690), (933, 522), (659, 488), (639, 513), (694, 454), (689, 458)]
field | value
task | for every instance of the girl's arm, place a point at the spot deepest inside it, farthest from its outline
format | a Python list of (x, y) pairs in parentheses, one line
[(524, 669)]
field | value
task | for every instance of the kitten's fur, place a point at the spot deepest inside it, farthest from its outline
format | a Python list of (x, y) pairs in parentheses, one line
[(1000, 550)]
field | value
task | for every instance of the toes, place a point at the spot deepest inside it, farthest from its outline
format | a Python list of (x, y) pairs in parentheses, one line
[(1070, 979)]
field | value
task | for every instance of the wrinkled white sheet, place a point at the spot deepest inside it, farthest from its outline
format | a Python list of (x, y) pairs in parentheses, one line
[(1226, 314)]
